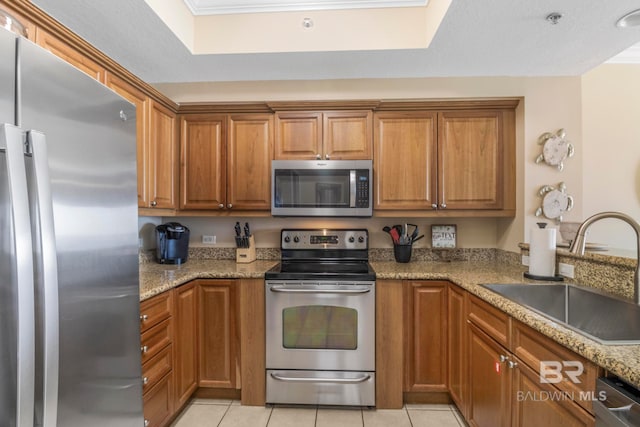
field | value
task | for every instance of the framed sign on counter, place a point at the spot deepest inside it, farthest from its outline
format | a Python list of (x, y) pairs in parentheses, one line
[(443, 236)]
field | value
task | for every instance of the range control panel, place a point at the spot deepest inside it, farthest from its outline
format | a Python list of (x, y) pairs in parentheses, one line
[(319, 239)]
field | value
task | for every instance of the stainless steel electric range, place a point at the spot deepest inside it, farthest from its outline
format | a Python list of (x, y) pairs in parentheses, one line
[(320, 320)]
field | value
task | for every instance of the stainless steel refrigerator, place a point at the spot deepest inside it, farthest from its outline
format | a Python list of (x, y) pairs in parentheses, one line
[(69, 295)]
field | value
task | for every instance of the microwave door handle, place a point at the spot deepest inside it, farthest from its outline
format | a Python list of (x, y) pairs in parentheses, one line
[(352, 185)]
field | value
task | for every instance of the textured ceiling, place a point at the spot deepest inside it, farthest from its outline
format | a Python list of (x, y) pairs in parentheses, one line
[(476, 38)]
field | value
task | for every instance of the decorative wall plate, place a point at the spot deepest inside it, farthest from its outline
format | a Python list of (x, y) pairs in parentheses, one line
[(555, 149), (555, 201)]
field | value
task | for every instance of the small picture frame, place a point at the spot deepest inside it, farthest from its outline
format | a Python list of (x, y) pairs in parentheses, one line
[(443, 236)]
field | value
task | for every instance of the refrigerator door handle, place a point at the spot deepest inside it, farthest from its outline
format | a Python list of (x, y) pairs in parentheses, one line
[(11, 144), (49, 267)]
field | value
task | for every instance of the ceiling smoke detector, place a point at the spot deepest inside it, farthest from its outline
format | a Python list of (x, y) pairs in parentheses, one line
[(631, 19), (307, 23), (554, 17)]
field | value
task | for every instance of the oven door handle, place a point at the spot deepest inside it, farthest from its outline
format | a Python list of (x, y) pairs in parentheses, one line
[(322, 380), (285, 289)]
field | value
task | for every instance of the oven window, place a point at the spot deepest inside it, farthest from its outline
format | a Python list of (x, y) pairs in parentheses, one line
[(302, 188), (320, 327)]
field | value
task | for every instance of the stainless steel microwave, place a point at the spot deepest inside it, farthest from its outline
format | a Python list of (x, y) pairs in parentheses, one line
[(321, 187)]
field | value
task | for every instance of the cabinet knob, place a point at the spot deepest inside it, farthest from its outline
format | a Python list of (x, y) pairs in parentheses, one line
[(318, 157), (153, 203), (443, 205), (145, 380), (144, 349), (326, 156), (503, 358), (143, 318), (221, 206), (146, 422), (434, 206), (512, 364), (229, 205)]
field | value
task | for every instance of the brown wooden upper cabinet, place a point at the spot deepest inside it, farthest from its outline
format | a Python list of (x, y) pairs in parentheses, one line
[(162, 160), (328, 135), (226, 161), (445, 161), (140, 100)]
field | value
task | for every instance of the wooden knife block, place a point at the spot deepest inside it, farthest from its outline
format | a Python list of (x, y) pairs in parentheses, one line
[(246, 255)]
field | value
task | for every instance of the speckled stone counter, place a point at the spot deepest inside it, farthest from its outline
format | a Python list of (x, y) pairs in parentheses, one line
[(621, 360), (157, 278)]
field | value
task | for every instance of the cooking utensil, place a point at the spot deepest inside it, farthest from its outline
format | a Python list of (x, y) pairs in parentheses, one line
[(417, 238), (247, 234), (238, 235)]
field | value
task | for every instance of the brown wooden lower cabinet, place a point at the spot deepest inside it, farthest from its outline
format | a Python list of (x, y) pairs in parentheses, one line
[(489, 382), (158, 403), (458, 360), (425, 336), (185, 369), (218, 340)]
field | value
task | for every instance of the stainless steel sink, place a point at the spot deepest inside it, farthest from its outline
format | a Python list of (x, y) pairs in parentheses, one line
[(603, 318)]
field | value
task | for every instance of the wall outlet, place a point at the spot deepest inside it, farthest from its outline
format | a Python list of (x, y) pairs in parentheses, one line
[(209, 240), (525, 259), (566, 270)]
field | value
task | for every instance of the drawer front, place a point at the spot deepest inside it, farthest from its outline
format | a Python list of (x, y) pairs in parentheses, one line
[(156, 368), (532, 348), (155, 339), (158, 406), (155, 310), (492, 321)]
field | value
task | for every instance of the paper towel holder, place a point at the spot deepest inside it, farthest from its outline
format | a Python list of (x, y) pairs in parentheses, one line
[(556, 278)]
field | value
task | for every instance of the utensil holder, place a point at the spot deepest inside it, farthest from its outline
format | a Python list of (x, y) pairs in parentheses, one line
[(402, 253), (246, 255)]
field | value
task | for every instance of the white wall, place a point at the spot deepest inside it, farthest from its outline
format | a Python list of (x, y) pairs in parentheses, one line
[(611, 143), (548, 104)]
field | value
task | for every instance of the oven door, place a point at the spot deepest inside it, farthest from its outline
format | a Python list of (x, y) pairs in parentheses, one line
[(320, 325)]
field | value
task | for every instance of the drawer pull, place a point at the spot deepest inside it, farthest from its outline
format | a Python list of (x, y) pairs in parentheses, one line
[(144, 318), (146, 422), (144, 349), (145, 380)]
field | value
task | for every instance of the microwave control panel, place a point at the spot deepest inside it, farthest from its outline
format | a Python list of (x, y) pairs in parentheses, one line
[(362, 188)]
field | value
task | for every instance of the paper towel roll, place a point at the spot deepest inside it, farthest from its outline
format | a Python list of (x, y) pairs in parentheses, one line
[(542, 252)]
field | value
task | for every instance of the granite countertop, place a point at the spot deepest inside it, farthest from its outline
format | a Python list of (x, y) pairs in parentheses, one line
[(157, 278), (621, 360)]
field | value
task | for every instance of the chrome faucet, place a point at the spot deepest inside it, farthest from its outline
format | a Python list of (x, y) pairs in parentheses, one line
[(578, 244)]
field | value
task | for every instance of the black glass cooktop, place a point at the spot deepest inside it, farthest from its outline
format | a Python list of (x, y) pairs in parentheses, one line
[(326, 270)]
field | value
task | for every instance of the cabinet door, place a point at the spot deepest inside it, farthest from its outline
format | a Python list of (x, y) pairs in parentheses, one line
[(203, 161), (140, 100), (489, 382), (535, 404), (346, 135), (249, 155), (404, 159), (69, 54), (457, 348), (217, 336), (470, 163), (298, 135), (158, 403), (163, 157), (185, 372), (425, 344)]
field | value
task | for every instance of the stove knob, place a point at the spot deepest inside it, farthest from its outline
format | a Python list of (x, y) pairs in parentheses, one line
[(360, 239), (287, 239), (296, 239), (352, 239)]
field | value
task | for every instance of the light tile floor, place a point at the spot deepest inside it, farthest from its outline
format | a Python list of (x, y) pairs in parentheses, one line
[(227, 413)]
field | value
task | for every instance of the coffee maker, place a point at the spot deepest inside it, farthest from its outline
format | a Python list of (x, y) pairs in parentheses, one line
[(172, 243)]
